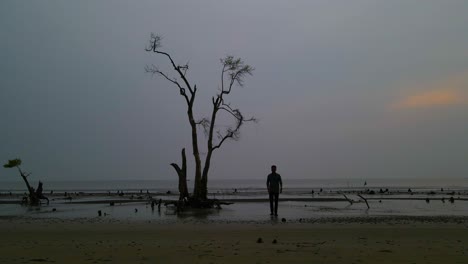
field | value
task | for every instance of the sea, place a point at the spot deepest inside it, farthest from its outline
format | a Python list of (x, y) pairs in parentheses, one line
[(247, 185), (301, 199)]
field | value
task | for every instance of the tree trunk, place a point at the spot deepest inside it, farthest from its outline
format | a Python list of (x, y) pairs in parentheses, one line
[(182, 173), (197, 190), (33, 199), (206, 168)]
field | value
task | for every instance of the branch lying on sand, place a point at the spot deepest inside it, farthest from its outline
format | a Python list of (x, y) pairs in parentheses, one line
[(365, 200), (346, 197)]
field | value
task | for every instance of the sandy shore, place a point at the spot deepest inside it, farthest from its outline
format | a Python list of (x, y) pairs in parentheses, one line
[(106, 241)]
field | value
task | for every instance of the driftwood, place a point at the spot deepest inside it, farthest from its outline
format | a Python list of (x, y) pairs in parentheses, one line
[(365, 200), (346, 197), (360, 196)]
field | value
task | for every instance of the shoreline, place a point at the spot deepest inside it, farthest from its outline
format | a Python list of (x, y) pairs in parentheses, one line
[(248, 200), (245, 209), (371, 220)]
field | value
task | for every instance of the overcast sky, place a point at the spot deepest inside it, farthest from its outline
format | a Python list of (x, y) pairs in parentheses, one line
[(342, 89)]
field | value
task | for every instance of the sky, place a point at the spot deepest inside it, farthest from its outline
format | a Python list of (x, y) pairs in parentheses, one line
[(341, 89)]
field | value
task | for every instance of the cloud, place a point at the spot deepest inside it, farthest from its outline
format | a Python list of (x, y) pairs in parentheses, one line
[(431, 99), (451, 91)]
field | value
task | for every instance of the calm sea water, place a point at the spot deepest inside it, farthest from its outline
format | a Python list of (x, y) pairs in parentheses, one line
[(252, 185), (398, 202)]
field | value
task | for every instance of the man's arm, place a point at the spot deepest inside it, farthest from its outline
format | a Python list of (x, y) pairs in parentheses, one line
[(268, 183), (281, 184)]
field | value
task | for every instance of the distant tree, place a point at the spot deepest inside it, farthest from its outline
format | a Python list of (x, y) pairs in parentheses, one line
[(34, 195), (233, 72)]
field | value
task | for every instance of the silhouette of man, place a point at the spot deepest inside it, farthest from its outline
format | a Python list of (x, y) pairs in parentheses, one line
[(275, 187)]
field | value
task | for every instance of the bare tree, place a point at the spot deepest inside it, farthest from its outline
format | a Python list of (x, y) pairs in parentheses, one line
[(233, 72), (182, 173), (34, 195)]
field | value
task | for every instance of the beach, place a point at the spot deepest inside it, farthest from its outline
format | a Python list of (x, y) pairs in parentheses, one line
[(84, 225), (98, 240), (267, 132)]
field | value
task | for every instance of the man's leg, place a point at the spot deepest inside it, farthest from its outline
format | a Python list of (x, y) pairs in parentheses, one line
[(276, 203), (271, 203)]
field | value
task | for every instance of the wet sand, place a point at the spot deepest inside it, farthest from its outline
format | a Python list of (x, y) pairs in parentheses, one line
[(97, 240)]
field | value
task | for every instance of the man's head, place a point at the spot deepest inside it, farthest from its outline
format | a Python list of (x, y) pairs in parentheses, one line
[(273, 168)]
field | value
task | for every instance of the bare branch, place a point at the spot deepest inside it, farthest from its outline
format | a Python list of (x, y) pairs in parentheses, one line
[(237, 70), (179, 70), (232, 132), (155, 44), (222, 76), (155, 70), (222, 141), (184, 68), (205, 123), (230, 111), (236, 113)]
